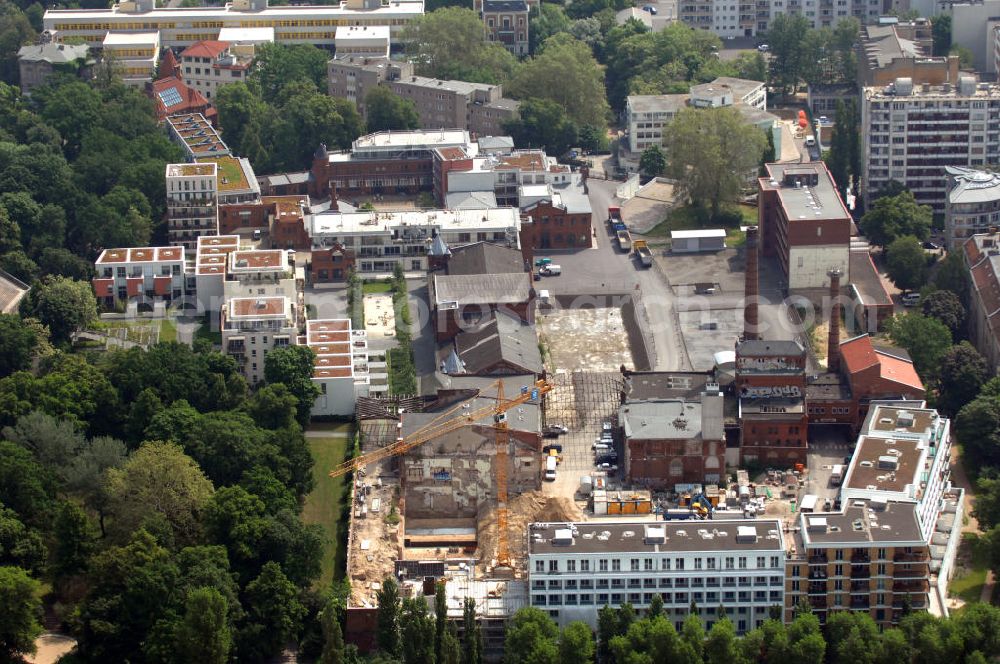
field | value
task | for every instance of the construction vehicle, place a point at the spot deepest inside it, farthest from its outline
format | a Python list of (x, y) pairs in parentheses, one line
[(624, 240), (702, 505), (452, 420), (644, 253), (615, 215)]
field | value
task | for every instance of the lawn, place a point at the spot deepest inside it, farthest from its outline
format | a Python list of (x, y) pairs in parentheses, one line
[(372, 287), (168, 330), (205, 332), (689, 218), (141, 331), (971, 565), (326, 504)]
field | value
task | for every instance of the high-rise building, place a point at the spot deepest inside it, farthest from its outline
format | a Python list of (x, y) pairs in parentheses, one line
[(192, 205)]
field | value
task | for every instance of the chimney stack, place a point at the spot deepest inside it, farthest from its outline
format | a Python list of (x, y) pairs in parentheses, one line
[(833, 341), (751, 320)]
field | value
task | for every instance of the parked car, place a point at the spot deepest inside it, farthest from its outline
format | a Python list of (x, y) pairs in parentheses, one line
[(649, 8), (606, 425), (256, 234), (555, 429), (910, 299), (810, 141), (927, 244), (823, 120), (550, 270), (606, 458), (763, 48), (541, 262)]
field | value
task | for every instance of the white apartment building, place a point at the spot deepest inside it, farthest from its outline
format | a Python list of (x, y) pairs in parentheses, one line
[(207, 65), (192, 203), (342, 367), (252, 326), (973, 204), (745, 18), (135, 55), (210, 262), (362, 41), (912, 133), (574, 569), (902, 455), (512, 178), (647, 115), (151, 273), (183, 26), (382, 239)]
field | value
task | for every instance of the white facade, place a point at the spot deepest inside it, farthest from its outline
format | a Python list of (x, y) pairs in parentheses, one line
[(973, 205), (192, 203), (973, 25), (252, 326), (574, 569), (362, 41), (741, 18), (135, 55), (913, 132), (342, 370), (206, 66), (182, 26)]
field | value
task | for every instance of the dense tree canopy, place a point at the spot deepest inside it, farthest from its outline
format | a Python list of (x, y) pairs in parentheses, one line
[(387, 111), (963, 372), (542, 123), (451, 43), (891, 217), (925, 339), (907, 263)]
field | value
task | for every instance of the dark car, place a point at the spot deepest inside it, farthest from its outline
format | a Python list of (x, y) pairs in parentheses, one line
[(554, 446), (927, 244), (555, 429), (649, 8)]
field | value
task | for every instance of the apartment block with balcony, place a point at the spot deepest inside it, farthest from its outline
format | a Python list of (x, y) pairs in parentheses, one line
[(913, 132), (261, 273), (145, 274), (208, 65), (343, 370), (380, 240), (575, 569), (253, 326), (743, 18), (973, 205), (869, 558), (192, 203)]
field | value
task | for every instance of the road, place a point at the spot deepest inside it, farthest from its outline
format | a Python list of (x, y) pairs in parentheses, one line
[(605, 269)]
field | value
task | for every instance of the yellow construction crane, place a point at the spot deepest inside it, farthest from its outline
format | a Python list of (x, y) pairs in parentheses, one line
[(454, 419)]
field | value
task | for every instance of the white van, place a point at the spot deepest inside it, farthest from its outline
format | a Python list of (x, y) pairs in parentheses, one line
[(550, 468), (808, 503), (551, 270), (837, 475)]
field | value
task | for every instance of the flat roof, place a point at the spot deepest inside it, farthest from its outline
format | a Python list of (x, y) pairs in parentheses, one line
[(865, 278), (504, 288), (705, 233), (257, 259), (233, 173), (184, 14), (420, 138), (247, 35), (257, 307), (191, 170), (644, 385), (886, 464), (662, 419), (140, 255), (655, 537), (366, 222), (131, 39), (886, 420), (861, 522), (657, 103), (212, 252), (815, 202)]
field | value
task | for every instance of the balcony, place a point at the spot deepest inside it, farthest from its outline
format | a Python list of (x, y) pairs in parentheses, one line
[(860, 603), (818, 559), (914, 586), (818, 602), (817, 588), (912, 557), (861, 572), (861, 557), (860, 586), (909, 573)]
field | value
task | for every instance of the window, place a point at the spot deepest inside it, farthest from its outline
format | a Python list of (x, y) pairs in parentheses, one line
[(697, 563), (570, 565), (743, 562), (680, 564), (616, 565), (602, 565), (584, 565), (647, 564), (553, 566), (634, 565)]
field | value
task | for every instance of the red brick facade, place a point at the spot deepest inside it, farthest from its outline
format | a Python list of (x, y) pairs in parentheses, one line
[(770, 383), (553, 228), (331, 265), (664, 463), (370, 176)]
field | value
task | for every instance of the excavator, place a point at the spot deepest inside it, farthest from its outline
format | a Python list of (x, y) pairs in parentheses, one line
[(452, 420)]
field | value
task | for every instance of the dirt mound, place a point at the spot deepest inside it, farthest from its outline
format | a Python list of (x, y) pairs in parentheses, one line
[(522, 510)]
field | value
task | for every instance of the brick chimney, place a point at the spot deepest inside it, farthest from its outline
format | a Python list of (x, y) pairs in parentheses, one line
[(751, 320), (833, 341)]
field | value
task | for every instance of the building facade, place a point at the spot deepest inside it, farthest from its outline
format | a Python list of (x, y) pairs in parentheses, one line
[(207, 65), (146, 274), (914, 132), (575, 569), (973, 204), (182, 26), (748, 19), (804, 224), (982, 255), (192, 203), (134, 55), (342, 369), (506, 23), (36, 62), (894, 50), (252, 326)]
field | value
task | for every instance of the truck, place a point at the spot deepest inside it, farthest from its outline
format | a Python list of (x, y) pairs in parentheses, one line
[(643, 252), (550, 468), (614, 214), (624, 240), (808, 503), (837, 475)]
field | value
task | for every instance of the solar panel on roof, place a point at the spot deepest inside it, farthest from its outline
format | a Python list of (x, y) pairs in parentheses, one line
[(170, 97)]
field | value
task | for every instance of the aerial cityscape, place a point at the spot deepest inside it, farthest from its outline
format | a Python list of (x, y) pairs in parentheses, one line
[(520, 331)]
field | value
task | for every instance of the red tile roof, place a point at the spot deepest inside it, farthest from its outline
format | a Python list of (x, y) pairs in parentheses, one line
[(191, 101), (205, 49), (169, 65), (858, 354), (899, 371)]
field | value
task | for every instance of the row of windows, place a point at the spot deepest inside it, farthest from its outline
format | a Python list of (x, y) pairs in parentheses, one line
[(260, 23), (697, 582), (555, 566), (602, 599)]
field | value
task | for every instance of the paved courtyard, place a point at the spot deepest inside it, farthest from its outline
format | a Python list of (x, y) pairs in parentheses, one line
[(584, 339)]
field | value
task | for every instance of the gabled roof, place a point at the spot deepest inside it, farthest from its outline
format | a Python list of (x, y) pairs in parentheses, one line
[(169, 65), (503, 339), (205, 49), (859, 354), (485, 258), (173, 97)]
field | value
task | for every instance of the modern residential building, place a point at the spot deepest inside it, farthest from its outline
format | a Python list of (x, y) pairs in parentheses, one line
[(147, 274), (973, 204), (506, 22), (252, 326), (37, 62), (383, 239), (184, 26), (362, 41), (207, 65), (805, 224), (441, 104), (893, 50), (237, 181), (748, 19), (982, 254), (647, 115), (196, 135), (914, 131), (210, 261), (133, 54), (574, 569), (192, 203), (343, 370)]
